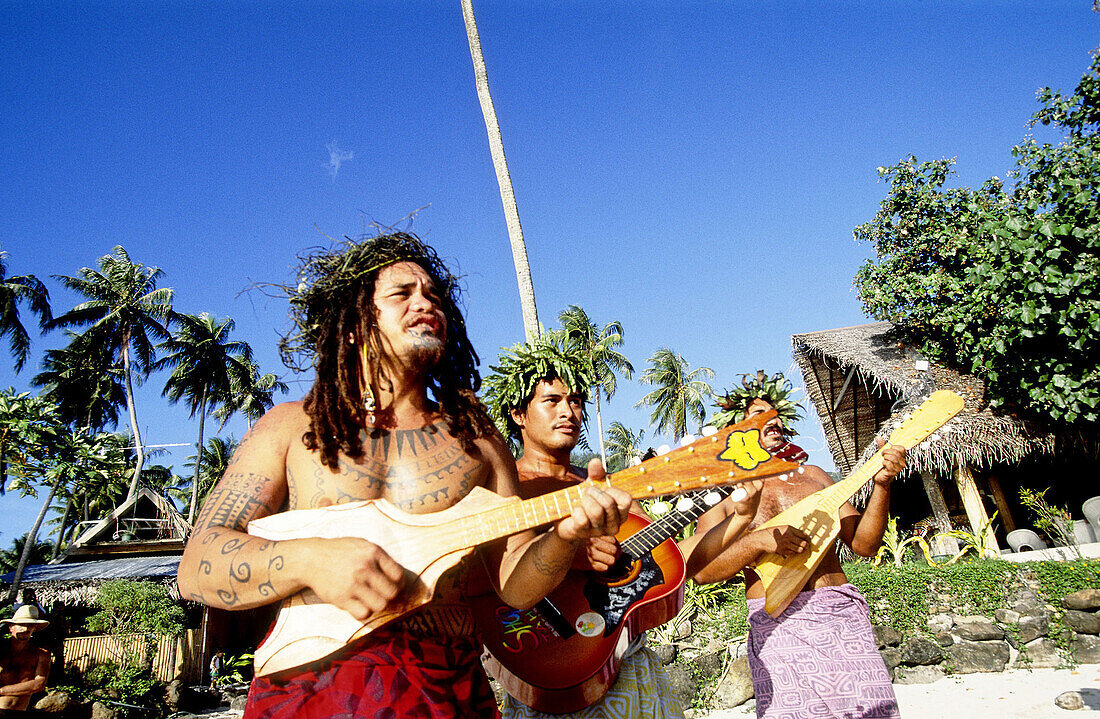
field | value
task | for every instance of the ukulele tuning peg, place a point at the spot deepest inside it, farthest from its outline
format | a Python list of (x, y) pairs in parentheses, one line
[(738, 494), (688, 439), (664, 449), (684, 504), (709, 430), (712, 498)]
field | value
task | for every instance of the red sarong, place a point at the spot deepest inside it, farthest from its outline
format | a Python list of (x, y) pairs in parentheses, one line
[(392, 675)]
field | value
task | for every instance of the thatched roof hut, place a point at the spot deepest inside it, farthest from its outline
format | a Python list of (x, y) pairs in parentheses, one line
[(863, 380)]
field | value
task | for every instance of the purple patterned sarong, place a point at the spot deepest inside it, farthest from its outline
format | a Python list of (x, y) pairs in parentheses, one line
[(819, 659)]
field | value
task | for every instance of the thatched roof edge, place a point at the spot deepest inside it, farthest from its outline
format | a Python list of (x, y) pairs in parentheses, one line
[(977, 437)]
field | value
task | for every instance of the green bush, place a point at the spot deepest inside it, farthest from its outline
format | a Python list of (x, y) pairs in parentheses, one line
[(133, 691)]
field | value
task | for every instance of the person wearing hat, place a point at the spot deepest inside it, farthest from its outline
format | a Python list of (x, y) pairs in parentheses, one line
[(23, 667)]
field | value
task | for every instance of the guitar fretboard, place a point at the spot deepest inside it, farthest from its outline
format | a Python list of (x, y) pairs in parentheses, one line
[(685, 510)]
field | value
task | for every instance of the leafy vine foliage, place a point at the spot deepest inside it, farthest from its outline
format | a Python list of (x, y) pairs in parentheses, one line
[(1002, 282)]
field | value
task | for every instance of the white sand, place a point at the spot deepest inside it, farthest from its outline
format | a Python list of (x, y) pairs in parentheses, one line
[(1016, 694)]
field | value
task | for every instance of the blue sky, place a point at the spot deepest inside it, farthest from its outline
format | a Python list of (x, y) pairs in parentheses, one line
[(693, 170)]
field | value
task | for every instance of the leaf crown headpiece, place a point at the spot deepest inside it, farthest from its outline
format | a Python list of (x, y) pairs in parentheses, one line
[(776, 390), (513, 380), (332, 277)]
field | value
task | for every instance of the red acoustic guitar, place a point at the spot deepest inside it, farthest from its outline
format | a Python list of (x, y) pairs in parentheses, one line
[(427, 545), (564, 653)]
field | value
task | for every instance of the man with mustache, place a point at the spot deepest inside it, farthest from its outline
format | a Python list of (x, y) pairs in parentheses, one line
[(827, 626), (391, 415)]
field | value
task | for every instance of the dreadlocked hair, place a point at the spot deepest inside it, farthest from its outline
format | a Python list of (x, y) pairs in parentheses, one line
[(333, 301)]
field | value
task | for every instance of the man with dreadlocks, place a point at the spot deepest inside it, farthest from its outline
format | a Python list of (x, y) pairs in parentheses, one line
[(827, 627), (391, 414)]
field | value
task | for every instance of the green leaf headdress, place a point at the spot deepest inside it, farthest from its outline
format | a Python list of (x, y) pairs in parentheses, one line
[(520, 368), (776, 390)]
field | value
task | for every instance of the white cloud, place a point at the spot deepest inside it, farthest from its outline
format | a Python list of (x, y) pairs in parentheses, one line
[(337, 157)]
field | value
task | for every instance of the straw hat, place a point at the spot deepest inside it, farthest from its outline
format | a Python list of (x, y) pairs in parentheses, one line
[(27, 615)]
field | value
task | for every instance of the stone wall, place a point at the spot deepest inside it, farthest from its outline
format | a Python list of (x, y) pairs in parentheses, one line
[(1030, 633)]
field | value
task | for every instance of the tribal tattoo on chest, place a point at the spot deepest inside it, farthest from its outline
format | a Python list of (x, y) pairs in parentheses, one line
[(415, 469)]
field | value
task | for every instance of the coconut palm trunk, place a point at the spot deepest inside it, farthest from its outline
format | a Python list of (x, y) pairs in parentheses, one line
[(132, 410), (504, 180), (198, 460), (599, 428), (32, 539), (62, 527)]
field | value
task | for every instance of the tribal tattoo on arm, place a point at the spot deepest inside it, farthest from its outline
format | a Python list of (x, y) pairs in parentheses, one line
[(549, 566), (237, 571)]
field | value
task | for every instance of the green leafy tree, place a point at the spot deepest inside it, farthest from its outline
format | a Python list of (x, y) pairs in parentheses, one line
[(199, 354), (681, 392), (1002, 283), (126, 312), (598, 348), (70, 455), (134, 607), (22, 289), (250, 393), (623, 445), (28, 426)]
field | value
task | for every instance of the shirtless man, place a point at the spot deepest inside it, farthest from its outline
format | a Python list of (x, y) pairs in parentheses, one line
[(381, 320), (827, 626), (547, 420), (23, 667), (549, 424)]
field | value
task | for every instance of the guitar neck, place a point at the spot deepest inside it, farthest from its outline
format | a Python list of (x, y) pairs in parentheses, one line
[(687, 509), (833, 497), (731, 456)]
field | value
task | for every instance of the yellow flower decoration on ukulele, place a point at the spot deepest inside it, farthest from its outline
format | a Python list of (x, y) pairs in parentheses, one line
[(743, 449)]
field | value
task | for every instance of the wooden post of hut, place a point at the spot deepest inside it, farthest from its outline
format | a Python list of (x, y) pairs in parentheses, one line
[(943, 543), (1004, 512), (975, 509)]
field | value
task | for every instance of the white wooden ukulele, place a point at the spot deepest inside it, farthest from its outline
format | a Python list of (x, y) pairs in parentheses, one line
[(818, 515), (427, 545)]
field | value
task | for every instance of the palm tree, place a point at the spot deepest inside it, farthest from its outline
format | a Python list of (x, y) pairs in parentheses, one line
[(125, 311), (9, 558), (598, 348), (199, 354), (504, 180), (13, 291), (249, 393), (681, 392), (215, 460), (623, 445), (84, 382)]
